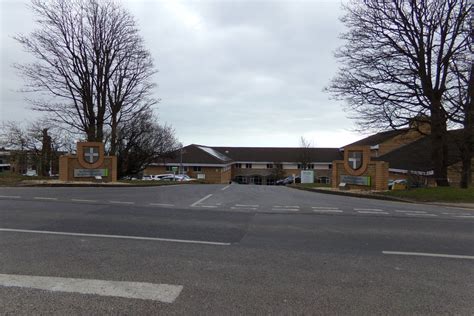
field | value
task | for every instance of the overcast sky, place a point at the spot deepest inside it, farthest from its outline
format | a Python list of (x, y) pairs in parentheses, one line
[(231, 73)]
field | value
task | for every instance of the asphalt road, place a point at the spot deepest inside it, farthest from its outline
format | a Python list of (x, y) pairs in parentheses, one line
[(231, 249)]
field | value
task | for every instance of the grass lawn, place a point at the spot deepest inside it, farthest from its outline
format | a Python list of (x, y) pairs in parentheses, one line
[(438, 194), (13, 179)]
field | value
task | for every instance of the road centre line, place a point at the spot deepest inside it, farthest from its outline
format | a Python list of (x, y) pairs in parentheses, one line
[(201, 200), (121, 202), (243, 208), (402, 211), (45, 198), (424, 254), (165, 293), (369, 209), (243, 205), (81, 200), (285, 206), (225, 188), (328, 211), (207, 206), (416, 214), (46, 232), (372, 212), (465, 216), (10, 196), (325, 208), (161, 204)]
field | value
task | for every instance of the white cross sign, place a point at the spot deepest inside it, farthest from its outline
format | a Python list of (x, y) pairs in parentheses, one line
[(91, 154), (355, 160)]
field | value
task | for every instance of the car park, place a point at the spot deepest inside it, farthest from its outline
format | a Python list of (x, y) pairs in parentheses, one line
[(288, 180)]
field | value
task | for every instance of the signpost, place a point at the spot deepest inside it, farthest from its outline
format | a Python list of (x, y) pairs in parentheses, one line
[(307, 176)]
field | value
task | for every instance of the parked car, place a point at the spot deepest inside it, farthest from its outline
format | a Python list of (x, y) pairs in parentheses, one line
[(178, 177), (31, 173), (288, 180), (400, 184)]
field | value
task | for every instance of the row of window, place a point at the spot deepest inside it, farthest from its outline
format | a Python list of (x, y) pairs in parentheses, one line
[(248, 166), (185, 169)]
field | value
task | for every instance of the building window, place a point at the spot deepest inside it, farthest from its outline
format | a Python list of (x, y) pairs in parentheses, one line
[(269, 166), (196, 168), (238, 165), (308, 166), (329, 166), (248, 165), (169, 168)]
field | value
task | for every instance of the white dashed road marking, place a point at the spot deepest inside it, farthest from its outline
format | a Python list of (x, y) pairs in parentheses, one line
[(165, 293), (10, 196), (161, 204), (225, 188), (286, 206), (327, 211), (243, 205), (185, 241), (243, 208), (81, 200), (372, 212), (465, 216), (45, 198), (201, 200), (416, 212), (121, 202), (369, 209), (423, 254), (325, 207), (207, 206)]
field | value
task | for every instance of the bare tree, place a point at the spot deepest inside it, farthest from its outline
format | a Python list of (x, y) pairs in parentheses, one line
[(396, 65), (37, 143), (305, 153), (142, 142), (91, 65)]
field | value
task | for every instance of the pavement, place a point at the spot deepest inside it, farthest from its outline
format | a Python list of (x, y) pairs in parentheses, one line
[(216, 249)]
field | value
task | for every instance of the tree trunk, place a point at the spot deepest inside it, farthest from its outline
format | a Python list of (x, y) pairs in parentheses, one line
[(439, 145), (468, 135)]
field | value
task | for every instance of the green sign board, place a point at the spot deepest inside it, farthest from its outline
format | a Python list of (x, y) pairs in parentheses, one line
[(355, 180), (174, 169), (88, 173)]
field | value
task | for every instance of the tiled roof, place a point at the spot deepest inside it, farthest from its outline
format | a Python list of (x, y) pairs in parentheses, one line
[(416, 156), (377, 138), (280, 154), (199, 154)]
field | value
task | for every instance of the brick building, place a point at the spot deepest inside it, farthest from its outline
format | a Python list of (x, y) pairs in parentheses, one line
[(252, 165)]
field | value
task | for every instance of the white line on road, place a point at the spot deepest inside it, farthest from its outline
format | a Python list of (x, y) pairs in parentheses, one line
[(285, 206), (165, 293), (465, 216), (369, 209), (416, 214), (402, 211), (243, 205), (372, 212), (207, 206), (325, 207), (161, 204), (201, 200), (81, 200), (185, 241), (10, 196), (225, 188), (121, 202), (45, 198), (424, 254), (243, 208), (327, 211)]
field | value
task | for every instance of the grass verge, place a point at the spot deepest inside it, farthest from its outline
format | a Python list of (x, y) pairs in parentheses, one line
[(438, 194)]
